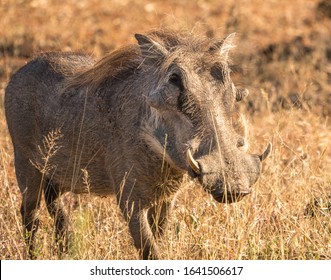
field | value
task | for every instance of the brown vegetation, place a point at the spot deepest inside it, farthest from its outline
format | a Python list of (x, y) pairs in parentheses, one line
[(283, 56)]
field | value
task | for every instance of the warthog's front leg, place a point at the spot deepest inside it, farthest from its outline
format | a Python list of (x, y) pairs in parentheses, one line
[(136, 215), (158, 217), (142, 235)]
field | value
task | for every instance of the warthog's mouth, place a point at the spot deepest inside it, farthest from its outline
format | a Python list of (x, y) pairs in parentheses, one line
[(230, 197), (196, 168), (230, 194)]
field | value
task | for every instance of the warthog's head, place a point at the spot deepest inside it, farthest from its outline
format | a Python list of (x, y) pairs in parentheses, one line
[(193, 107)]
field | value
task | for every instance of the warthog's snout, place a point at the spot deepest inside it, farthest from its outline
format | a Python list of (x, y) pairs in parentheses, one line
[(228, 182)]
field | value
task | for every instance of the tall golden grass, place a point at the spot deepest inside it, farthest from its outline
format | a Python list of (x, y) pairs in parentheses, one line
[(283, 56)]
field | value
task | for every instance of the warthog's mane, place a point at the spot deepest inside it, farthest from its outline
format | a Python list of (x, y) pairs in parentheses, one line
[(124, 62), (116, 65)]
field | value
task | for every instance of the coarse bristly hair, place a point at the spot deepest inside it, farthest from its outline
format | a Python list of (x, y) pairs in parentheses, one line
[(124, 62)]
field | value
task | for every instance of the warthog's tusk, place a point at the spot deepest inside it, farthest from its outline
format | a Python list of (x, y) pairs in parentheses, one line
[(266, 152), (192, 162)]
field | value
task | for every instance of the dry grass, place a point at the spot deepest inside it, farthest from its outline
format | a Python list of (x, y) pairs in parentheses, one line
[(284, 58)]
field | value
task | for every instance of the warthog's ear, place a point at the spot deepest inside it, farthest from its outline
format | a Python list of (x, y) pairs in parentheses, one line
[(224, 46), (150, 49)]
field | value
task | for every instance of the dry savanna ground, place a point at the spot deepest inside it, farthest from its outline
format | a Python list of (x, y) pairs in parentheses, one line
[(283, 57)]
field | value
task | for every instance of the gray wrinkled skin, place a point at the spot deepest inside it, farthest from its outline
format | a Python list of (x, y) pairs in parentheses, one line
[(129, 120)]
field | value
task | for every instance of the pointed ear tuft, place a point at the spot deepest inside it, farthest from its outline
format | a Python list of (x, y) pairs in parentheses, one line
[(149, 48), (224, 46)]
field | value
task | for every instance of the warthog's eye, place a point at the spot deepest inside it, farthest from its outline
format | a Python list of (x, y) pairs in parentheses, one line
[(219, 73), (176, 80)]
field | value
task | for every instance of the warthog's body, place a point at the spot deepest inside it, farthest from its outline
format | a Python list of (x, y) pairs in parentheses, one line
[(131, 122)]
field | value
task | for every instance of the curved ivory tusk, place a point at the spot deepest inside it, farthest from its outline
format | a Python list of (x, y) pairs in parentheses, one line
[(192, 162), (266, 152)]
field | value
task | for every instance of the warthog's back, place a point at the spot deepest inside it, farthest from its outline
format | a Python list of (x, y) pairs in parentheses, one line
[(37, 107), (33, 93)]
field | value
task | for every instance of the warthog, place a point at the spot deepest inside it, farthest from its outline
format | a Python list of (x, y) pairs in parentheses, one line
[(137, 122)]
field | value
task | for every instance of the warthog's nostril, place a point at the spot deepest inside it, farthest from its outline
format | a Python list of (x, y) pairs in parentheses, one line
[(240, 142)]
